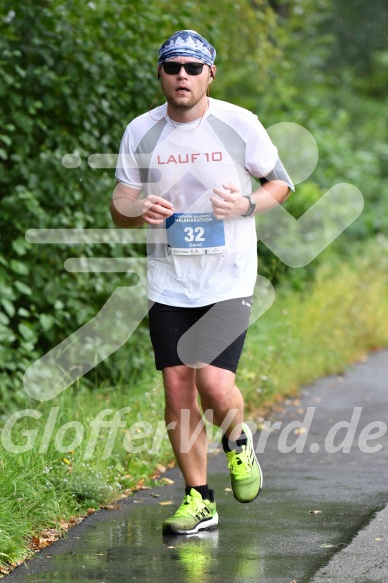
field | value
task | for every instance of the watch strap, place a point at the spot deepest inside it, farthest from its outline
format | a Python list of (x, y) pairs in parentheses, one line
[(252, 206)]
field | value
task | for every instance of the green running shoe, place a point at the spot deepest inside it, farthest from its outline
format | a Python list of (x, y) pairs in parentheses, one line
[(193, 514), (245, 472)]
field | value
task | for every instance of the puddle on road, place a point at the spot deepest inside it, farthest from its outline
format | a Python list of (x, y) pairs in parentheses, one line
[(273, 540)]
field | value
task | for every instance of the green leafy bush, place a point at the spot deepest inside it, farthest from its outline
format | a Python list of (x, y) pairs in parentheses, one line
[(73, 75)]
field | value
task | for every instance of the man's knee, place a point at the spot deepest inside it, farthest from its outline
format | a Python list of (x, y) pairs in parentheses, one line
[(180, 389), (215, 384)]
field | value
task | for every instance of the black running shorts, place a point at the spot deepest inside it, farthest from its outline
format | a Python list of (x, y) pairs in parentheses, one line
[(212, 334)]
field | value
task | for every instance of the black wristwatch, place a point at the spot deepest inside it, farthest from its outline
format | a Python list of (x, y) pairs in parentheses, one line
[(252, 206)]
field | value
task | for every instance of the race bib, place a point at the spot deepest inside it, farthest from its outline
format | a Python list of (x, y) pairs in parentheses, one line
[(195, 234)]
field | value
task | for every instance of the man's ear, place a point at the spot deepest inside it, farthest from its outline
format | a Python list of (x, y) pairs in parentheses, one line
[(158, 73), (213, 71)]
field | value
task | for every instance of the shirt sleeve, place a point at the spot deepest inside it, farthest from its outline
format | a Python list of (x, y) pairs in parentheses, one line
[(261, 154), (127, 168)]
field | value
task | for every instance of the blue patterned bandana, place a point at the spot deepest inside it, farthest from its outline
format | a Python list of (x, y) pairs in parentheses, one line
[(187, 43)]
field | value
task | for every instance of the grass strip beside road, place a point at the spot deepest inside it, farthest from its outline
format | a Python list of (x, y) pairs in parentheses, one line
[(70, 457), (318, 331)]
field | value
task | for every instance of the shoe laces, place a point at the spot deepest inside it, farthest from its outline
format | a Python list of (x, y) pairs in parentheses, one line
[(238, 463), (190, 505)]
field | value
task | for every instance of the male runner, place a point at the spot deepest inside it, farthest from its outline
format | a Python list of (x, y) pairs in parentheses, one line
[(185, 169)]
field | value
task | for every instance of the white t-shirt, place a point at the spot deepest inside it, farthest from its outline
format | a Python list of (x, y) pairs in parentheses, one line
[(196, 260)]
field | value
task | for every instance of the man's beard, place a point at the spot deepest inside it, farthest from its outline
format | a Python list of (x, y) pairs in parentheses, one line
[(183, 106)]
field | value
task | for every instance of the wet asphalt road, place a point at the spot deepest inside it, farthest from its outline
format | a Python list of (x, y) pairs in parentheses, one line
[(321, 516)]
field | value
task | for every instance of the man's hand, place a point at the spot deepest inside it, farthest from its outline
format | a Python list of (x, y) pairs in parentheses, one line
[(156, 209), (129, 212), (228, 201)]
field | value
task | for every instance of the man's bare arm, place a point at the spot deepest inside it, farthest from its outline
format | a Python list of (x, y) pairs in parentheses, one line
[(269, 195), (125, 208), (129, 212)]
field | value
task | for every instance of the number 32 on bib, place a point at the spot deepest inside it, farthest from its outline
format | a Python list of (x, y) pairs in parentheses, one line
[(195, 234)]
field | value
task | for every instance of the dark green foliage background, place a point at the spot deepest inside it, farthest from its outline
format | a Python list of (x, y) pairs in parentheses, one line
[(73, 74)]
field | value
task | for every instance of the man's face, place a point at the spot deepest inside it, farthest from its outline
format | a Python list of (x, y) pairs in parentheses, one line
[(184, 91)]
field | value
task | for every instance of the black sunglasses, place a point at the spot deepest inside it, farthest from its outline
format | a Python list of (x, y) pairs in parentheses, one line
[(173, 68)]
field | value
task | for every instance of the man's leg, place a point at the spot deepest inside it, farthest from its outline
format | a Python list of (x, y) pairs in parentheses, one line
[(181, 394), (219, 393), (188, 439)]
